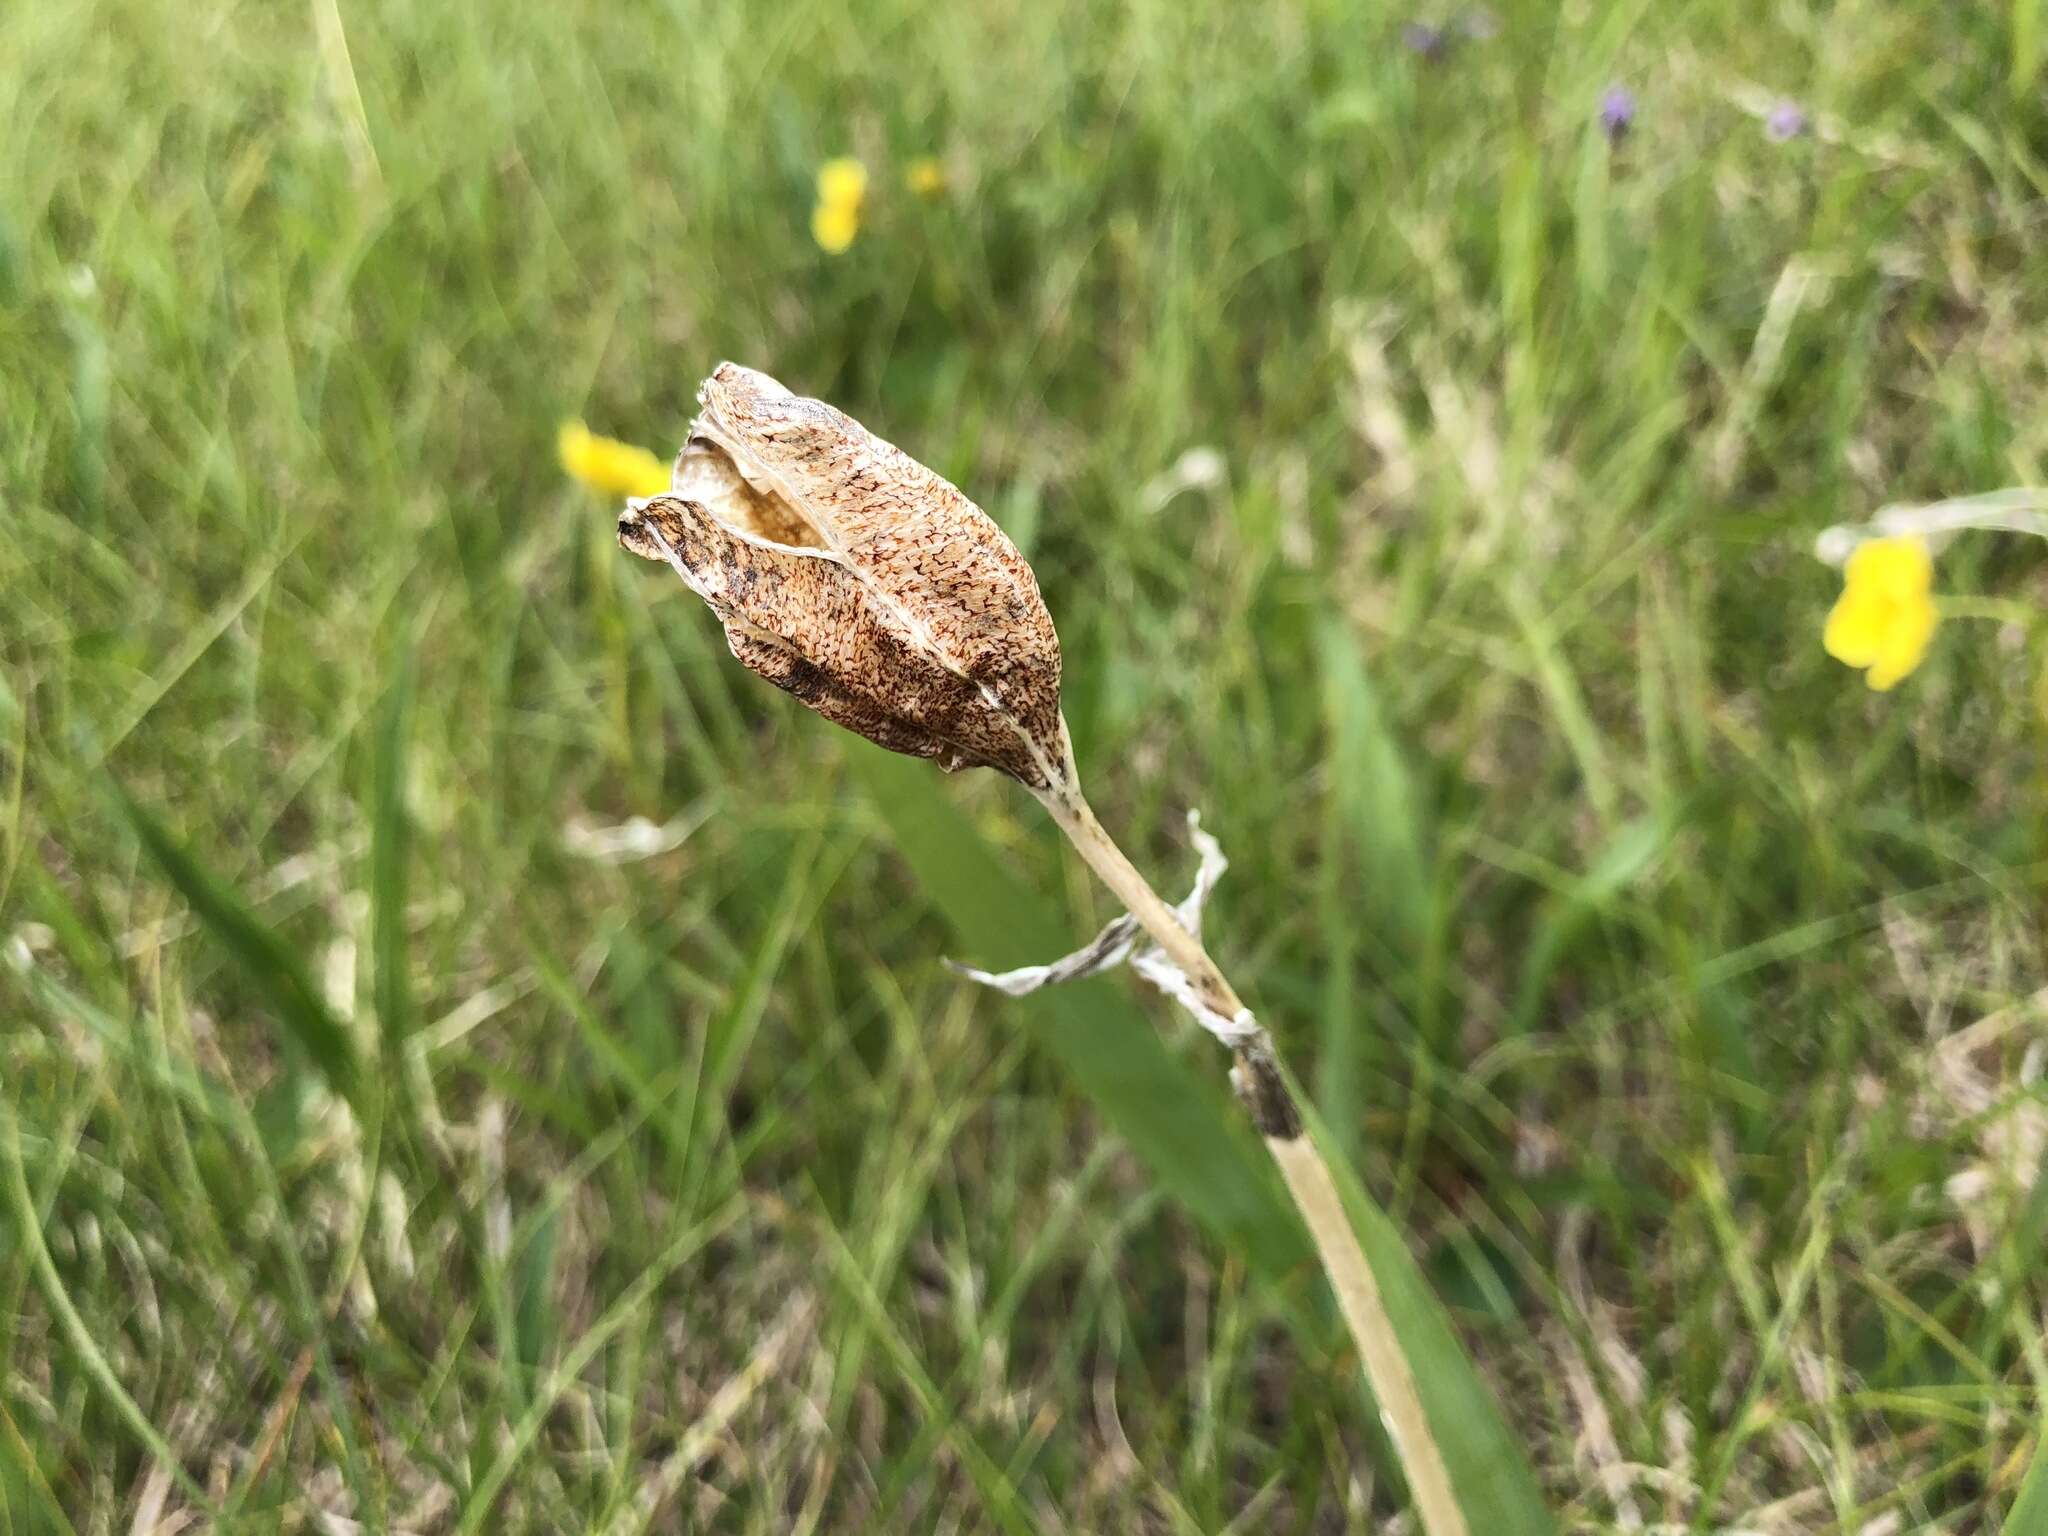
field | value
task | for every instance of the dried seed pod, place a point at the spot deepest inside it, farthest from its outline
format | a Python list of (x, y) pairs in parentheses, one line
[(849, 574)]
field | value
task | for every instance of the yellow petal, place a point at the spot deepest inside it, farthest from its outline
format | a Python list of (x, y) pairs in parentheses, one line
[(607, 465), (926, 177), (1885, 617), (1854, 634), (572, 446), (842, 183), (1896, 567), (833, 226), (1906, 638)]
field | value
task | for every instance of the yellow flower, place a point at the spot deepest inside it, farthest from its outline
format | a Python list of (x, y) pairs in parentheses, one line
[(842, 183), (842, 188), (604, 464), (1885, 617), (833, 226), (926, 177)]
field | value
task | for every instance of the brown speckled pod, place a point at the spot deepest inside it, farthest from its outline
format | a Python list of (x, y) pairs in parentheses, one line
[(849, 574)]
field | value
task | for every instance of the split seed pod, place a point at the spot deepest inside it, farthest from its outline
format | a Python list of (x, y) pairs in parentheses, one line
[(850, 575)]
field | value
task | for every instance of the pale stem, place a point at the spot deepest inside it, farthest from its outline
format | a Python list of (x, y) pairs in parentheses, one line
[(1386, 1363), (1308, 1176), (1075, 818)]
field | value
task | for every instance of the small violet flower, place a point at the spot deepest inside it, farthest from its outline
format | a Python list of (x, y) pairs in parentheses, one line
[(1424, 40), (1787, 121), (1617, 113)]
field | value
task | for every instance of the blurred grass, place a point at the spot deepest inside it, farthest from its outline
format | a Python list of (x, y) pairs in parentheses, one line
[(1678, 995)]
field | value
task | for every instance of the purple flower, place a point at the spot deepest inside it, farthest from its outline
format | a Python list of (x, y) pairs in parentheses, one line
[(1617, 113), (1786, 121), (1424, 40)]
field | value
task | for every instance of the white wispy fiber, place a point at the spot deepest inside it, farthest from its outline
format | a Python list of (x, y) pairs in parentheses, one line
[(1116, 942)]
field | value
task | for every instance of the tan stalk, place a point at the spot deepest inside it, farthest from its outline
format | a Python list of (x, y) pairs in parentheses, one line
[(1309, 1181)]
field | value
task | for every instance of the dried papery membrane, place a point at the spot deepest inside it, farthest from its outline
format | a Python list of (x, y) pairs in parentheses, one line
[(1115, 943), (1105, 952), (705, 473), (849, 574), (2018, 509)]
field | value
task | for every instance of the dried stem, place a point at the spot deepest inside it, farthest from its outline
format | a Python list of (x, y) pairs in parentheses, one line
[(1270, 1102), (1077, 820)]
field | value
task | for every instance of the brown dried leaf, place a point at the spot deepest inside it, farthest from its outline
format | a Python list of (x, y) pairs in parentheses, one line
[(849, 574)]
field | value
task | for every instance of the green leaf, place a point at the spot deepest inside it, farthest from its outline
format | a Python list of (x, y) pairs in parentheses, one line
[(1495, 1484), (1373, 817), (1179, 1122), (11, 262), (390, 842), (1375, 796), (536, 1325), (91, 392), (276, 970)]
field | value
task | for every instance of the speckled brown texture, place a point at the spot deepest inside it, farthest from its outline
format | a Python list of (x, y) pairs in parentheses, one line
[(855, 578)]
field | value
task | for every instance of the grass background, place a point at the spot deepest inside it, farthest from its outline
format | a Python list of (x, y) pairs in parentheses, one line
[(1680, 998)]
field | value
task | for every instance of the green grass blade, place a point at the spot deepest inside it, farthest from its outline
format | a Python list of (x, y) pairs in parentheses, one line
[(1370, 782), (10, 260), (999, 1495), (390, 844), (1373, 818), (630, 1307), (536, 1325), (2029, 1515), (1178, 1122), (277, 971), (2026, 55), (29, 1234), (1631, 851)]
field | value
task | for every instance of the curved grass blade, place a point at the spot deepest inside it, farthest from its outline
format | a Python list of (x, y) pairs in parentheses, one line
[(273, 966), (2030, 1509), (29, 1234)]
